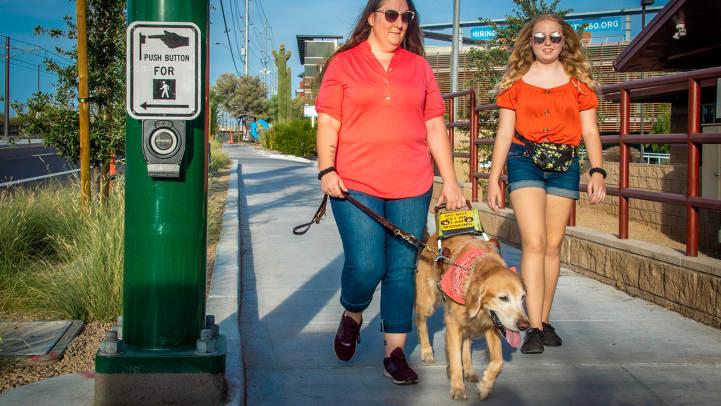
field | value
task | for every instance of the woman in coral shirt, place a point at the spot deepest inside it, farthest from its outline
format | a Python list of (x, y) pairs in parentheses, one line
[(379, 114), (546, 95)]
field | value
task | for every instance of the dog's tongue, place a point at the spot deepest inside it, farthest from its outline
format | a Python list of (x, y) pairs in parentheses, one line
[(513, 338)]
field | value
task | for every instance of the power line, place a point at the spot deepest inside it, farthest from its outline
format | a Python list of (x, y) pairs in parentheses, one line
[(235, 30), (230, 45), (44, 49)]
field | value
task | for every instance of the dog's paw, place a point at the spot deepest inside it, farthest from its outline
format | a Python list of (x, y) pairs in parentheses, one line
[(470, 376), (484, 389), (459, 394), (428, 356)]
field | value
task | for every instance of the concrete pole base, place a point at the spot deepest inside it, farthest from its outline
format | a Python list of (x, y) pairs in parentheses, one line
[(160, 389)]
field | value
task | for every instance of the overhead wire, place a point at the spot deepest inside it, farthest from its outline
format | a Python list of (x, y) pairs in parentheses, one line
[(43, 48), (230, 45), (236, 30)]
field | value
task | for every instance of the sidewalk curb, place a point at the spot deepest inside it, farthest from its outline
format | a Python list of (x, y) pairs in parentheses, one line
[(22, 143), (287, 157), (224, 296)]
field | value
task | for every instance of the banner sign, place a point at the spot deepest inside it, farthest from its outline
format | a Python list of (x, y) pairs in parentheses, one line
[(596, 25)]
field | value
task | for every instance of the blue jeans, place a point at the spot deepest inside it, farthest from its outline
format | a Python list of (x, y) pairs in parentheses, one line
[(374, 255), (523, 172)]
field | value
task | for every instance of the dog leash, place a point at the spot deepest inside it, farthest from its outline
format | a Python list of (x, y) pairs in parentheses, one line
[(320, 215)]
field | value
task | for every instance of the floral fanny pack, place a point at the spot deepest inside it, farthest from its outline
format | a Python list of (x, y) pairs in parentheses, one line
[(548, 156)]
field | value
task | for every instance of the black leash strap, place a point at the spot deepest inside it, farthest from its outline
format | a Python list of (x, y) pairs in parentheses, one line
[(319, 215)]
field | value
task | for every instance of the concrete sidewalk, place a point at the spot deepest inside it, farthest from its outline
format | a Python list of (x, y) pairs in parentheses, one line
[(617, 349)]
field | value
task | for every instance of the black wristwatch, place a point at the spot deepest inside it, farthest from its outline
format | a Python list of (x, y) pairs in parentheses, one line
[(326, 171), (599, 170)]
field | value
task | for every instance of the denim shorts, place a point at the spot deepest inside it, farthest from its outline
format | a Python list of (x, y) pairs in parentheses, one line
[(523, 172)]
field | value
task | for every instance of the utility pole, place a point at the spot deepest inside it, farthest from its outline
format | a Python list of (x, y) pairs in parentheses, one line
[(265, 50), (84, 111), (454, 54), (246, 37), (171, 351), (7, 88)]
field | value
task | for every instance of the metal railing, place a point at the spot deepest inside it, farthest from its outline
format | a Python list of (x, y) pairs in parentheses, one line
[(648, 156), (645, 87)]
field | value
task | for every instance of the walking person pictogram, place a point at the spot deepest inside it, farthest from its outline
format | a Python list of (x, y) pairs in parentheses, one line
[(165, 88)]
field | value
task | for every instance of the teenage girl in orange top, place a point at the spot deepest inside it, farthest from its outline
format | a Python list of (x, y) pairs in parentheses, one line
[(546, 95)]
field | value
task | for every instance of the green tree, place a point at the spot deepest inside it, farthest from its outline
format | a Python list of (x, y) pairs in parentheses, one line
[(241, 94), (270, 113), (661, 126), (55, 116), (216, 103)]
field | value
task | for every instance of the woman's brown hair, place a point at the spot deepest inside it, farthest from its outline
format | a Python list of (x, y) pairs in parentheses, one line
[(412, 41), (572, 57)]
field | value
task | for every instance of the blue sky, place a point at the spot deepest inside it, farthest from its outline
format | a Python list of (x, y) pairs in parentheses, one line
[(286, 18)]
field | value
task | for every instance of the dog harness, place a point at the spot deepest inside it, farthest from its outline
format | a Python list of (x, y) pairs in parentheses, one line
[(453, 280)]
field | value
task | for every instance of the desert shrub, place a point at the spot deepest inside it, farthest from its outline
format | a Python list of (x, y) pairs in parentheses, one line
[(295, 138), (266, 138)]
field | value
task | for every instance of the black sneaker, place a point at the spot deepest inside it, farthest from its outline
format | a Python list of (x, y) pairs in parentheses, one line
[(533, 344), (396, 367), (346, 337), (551, 339)]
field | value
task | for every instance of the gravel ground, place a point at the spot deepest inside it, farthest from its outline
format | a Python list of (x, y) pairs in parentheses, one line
[(598, 220), (79, 356)]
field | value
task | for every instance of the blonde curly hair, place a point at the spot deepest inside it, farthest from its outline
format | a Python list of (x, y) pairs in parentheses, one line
[(572, 57)]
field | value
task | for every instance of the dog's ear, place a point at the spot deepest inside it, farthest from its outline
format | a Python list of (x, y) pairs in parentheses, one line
[(474, 299), (496, 244)]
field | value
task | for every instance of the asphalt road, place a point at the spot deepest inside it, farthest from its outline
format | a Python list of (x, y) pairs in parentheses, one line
[(30, 161)]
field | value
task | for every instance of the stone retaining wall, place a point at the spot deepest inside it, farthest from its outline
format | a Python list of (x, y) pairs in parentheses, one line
[(689, 286)]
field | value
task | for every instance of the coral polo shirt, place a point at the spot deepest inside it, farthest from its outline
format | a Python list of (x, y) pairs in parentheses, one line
[(381, 147)]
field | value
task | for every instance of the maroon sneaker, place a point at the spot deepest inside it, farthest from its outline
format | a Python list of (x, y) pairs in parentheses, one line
[(397, 368), (346, 337)]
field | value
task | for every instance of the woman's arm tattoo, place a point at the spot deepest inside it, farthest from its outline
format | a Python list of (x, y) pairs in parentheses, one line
[(332, 153)]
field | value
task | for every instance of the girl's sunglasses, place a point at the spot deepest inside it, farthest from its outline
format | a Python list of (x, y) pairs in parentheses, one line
[(540, 38), (392, 15)]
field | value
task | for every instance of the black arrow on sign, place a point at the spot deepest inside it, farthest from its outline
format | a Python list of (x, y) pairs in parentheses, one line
[(166, 106)]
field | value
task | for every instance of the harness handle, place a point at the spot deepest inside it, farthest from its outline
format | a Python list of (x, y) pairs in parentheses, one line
[(443, 206)]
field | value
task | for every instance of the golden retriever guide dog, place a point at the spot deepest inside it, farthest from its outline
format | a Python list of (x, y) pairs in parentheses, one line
[(493, 307)]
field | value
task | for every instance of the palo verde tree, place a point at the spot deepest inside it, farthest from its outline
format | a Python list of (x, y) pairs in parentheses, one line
[(240, 95), (55, 116)]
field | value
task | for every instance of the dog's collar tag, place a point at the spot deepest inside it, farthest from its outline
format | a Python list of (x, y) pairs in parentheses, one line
[(453, 280)]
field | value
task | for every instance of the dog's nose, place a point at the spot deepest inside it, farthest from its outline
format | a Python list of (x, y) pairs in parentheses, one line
[(522, 325)]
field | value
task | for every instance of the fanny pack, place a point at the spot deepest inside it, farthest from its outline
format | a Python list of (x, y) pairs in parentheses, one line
[(548, 156)]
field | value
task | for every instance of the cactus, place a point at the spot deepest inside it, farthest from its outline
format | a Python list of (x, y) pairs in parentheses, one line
[(289, 96), (283, 83), (298, 103)]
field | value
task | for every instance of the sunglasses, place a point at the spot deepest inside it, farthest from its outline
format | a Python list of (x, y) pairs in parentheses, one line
[(540, 38), (392, 15)]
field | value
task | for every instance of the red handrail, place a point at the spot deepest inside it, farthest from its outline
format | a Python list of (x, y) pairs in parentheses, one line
[(624, 92)]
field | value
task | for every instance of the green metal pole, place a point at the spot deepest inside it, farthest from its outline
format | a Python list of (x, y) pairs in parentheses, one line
[(166, 219)]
